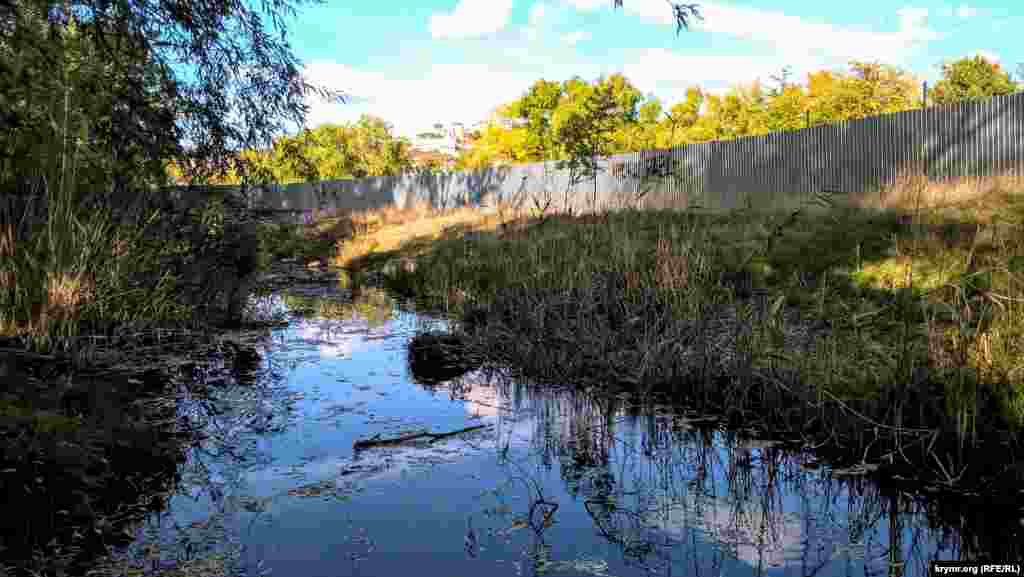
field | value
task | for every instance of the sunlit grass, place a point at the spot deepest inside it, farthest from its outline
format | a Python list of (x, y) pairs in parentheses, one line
[(387, 231), (71, 268)]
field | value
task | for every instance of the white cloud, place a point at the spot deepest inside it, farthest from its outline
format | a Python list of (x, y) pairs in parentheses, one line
[(445, 93), (793, 37), (588, 5), (962, 11), (537, 12), (966, 11), (669, 74), (499, 69), (534, 30), (574, 38), (471, 18), (803, 45)]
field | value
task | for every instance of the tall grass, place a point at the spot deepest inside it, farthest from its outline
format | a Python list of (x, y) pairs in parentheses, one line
[(70, 255)]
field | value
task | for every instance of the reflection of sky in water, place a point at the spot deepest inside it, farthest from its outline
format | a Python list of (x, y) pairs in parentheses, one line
[(306, 504)]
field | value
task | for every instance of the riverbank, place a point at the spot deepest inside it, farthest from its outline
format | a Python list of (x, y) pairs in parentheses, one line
[(910, 309), (101, 308), (99, 438), (890, 332)]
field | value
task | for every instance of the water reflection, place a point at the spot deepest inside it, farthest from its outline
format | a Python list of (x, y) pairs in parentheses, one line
[(562, 482)]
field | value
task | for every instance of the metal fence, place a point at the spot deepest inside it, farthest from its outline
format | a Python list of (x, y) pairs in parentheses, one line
[(778, 170)]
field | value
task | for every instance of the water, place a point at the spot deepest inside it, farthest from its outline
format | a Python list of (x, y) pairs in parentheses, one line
[(556, 482)]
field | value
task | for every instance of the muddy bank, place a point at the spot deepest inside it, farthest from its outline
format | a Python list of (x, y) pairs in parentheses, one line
[(93, 448), (91, 431)]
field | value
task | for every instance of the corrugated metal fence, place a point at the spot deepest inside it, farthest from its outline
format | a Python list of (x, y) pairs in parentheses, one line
[(778, 170)]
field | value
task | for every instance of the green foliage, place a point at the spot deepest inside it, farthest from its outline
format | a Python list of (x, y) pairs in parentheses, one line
[(93, 112), (95, 117), (330, 152), (536, 108), (868, 89), (536, 125), (548, 122), (586, 121), (496, 145), (972, 79)]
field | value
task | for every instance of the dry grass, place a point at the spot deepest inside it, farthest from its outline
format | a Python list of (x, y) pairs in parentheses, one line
[(389, 230), (66, 294), (978, 198), (63, 267)]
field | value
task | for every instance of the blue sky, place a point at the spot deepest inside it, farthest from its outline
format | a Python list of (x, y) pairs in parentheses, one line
[(417, 62)]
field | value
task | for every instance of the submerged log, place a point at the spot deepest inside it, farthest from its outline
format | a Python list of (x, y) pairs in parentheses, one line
[(378, 442)]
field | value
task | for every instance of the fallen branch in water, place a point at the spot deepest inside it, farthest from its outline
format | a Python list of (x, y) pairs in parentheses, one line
[(378, 442)]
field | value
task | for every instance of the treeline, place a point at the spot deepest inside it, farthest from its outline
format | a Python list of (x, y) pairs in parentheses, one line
[(575, 118), (328, 152), (544, 124)]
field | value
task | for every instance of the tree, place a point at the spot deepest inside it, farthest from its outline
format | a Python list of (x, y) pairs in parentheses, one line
[(330, 152), (971, 78), (584, 123), (65, 100), (535, 109), (680, 119), (224, 81), (868, 89), (644, 133), (787, 109)]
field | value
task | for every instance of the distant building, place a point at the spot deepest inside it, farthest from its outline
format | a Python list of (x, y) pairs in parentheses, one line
[(443, 143)]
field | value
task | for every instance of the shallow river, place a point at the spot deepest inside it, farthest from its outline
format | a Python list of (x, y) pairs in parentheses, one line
[(554, 483)]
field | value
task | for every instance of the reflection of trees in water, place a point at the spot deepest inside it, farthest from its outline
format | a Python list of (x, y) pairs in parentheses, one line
[(70, 492), (671, 493), (372, 305), (233, 399)]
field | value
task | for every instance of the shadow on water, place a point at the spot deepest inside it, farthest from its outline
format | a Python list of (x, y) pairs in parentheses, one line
[(536, 480)]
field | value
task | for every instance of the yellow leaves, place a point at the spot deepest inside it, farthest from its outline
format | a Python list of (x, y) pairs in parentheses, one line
[(820, 83), (971, 79)]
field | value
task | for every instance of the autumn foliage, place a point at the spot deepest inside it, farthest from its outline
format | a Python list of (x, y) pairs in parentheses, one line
[(570, 119)]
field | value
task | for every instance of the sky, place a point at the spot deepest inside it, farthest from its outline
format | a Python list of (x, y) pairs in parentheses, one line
[(418, 62)]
